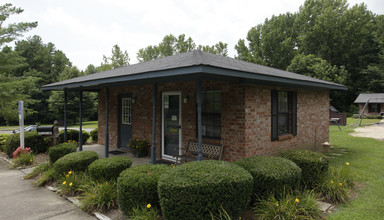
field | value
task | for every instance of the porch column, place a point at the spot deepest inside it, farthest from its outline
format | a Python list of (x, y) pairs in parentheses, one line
[(106, 123), (80, 120), (199, 135), (65, 116), (154, 100)]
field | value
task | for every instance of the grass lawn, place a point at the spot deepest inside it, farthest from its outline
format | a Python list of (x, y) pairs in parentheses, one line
[(366, 158), (352, 121), (87, 124)]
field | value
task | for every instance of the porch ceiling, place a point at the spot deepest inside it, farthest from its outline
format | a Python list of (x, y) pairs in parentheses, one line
[(191, 66)]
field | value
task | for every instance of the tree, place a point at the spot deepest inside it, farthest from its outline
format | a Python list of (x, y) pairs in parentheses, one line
[(12, 31), (118, 59), (170, 45)]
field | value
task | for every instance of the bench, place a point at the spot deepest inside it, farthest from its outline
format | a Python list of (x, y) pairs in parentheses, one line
[(210, 151)]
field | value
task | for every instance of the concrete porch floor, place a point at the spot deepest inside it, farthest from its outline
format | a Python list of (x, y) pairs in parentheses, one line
[(100, 150)]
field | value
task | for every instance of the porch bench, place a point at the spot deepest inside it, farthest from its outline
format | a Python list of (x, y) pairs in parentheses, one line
[(210, 151)]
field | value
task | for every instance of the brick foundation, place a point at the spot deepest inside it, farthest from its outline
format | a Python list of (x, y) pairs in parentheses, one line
[(246, 117)]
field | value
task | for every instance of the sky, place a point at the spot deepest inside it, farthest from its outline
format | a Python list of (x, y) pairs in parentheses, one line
[(85, 30)]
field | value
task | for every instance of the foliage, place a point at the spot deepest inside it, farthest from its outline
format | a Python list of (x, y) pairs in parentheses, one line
[(314, 166), (137, 186), (144, 213), (70, 184), (39, 170), (32, 140), (24, 159), (46, 177), (73, 135), (61, 150), (138, 145), (3, 140), (94, 134), (288, 206), (98, 196), (197, 190), (20, 150), (271, 174), (76, 161), (118, 58), (335, 188), (171, 45), (108, 168)]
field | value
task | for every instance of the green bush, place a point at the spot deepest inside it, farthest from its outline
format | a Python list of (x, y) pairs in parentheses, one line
[(31, 139), (61, 150), (108, 168), (3, 139), (137, 186), (73, 135), (94, 134), (72, 182), (76, 161), (314, 166), (98, 196), (202, 189), (271, 174)]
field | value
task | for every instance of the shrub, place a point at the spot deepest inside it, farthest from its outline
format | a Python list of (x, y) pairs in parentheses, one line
[(271, 174), (138, 146), (20, 150), (336, 186), (137, 186), (73, 135), (289, 206), (98, 196), (144, 213), (48, 176), (24, 159), (71, 183), (3, 139), (38, 170), (314, 166), (94, 134), (108, 168), (76, 161), (32, 140), (61, 150), (201, 189)]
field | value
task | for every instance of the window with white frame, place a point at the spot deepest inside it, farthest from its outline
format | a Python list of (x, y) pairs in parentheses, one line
[(126, 111)]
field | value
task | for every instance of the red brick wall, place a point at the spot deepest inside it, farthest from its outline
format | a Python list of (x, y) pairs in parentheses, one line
[(246, 117), (366, 110)]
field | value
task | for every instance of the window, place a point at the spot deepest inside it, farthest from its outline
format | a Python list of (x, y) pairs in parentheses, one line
[(284, 113), (374, 107), (126, 115), (211, 114)]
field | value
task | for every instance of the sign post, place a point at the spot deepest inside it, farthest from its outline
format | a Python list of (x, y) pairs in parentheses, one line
[(21, 123)]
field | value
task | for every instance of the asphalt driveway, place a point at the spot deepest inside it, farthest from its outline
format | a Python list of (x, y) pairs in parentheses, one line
[(19, 199)]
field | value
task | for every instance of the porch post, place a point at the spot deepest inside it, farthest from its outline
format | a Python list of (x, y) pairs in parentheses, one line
[(154, 100), (106, 123), (65, 116), (81, 120), (199, 134)]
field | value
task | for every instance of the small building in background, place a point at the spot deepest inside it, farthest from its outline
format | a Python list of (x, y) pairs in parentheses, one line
[(375, 103)]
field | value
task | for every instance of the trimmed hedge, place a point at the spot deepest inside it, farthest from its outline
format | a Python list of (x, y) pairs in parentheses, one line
[(94, 134), (271, 174), (108, 168), (32, 139), (76, 161), (61, 150), (200, 189), (3, 139), (137, 186), (314, 165), (73, 135)]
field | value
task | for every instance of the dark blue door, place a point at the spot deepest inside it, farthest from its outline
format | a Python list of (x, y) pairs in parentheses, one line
[(125, 120)]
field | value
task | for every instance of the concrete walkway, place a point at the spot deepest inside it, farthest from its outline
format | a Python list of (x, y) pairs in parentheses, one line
[(19, 199)]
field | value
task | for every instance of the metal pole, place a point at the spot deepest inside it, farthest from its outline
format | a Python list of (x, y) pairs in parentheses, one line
[(81, 121), (154, 100), (106, 122), (199, 134), (65, 116)]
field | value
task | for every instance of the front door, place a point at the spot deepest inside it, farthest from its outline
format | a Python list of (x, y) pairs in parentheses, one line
[(171, 106), (125, 120)]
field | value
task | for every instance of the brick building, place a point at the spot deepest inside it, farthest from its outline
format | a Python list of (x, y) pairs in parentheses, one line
[(373, 102), (248, 108)]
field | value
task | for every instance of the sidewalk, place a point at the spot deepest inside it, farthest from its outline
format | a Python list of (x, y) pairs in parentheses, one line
[(19, 199)]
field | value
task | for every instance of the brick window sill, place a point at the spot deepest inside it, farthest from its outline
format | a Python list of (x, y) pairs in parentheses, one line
[(285, 137)]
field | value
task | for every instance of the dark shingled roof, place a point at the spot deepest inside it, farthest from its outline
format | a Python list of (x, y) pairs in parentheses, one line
[(373, 98), (195, 63)]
